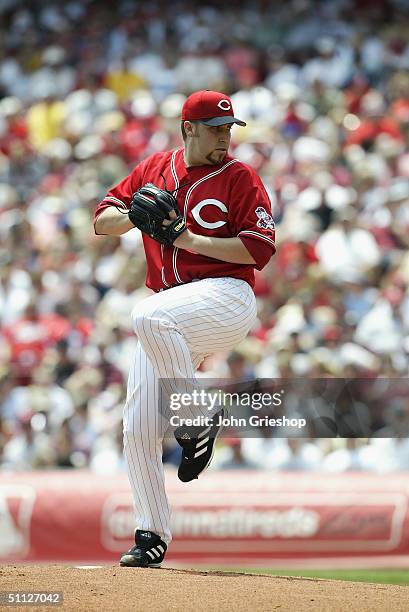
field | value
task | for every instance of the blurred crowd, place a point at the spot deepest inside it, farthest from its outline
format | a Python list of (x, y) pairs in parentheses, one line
[(87, 90)]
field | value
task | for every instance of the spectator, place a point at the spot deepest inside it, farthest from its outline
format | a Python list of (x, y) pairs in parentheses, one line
[(234, 459), (86, 92)]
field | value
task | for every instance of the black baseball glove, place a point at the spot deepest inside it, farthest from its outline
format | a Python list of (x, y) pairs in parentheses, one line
[(151, 206)]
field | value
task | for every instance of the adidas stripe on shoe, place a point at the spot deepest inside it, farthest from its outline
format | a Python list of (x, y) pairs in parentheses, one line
[(198, 447), (149, 551)]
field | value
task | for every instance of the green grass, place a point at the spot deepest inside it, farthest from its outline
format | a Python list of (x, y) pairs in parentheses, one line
[(384, 576)]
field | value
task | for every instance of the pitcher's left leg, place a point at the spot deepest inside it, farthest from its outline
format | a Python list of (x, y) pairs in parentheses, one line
[(144, 428)]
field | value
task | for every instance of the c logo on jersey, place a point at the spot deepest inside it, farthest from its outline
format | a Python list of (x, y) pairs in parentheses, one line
[(224, 105), (265, 221), (210, 202)]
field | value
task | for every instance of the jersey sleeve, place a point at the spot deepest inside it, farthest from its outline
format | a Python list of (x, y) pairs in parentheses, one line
[(120, 195), (250, 217)]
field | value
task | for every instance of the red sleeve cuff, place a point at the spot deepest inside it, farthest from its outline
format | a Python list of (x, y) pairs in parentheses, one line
[(260, 250)]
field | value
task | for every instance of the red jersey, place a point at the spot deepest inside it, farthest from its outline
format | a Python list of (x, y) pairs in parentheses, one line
[(224, 200)]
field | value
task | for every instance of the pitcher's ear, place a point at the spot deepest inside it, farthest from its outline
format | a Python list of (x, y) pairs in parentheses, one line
[(189, 128)]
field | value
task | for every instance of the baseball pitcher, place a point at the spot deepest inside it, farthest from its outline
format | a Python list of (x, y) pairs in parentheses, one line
[(206, 223)]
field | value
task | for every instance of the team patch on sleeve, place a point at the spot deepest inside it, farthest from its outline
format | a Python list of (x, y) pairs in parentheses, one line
[(265, 220)]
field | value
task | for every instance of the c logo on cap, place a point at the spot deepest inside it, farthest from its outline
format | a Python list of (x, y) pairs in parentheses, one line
[(224, 105)]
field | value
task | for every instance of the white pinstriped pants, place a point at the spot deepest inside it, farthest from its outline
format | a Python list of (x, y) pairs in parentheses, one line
[(176, 329)]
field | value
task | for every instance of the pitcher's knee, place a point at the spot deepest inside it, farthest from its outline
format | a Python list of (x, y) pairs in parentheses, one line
[(147, 322), (138, 321)]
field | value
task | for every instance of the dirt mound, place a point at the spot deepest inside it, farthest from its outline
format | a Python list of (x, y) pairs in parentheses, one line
[(121, 589)]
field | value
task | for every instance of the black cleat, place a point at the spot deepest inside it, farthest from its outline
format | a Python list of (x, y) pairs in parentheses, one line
[(149, 551), (197, 447)]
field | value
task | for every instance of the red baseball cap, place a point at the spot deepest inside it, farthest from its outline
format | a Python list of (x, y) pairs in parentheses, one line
[(209, 107)]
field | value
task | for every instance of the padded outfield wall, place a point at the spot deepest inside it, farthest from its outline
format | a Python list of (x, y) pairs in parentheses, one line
[(240, 517)]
